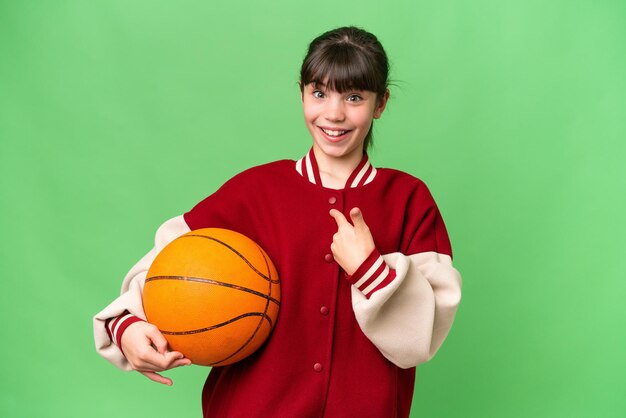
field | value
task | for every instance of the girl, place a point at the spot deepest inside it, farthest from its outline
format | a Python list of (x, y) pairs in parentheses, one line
[(368, 287)]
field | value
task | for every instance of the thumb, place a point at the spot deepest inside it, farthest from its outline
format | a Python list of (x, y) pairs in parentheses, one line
[(357, 218), (158, 340)]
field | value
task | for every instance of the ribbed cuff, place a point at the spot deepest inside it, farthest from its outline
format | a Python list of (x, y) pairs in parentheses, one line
[(116, 326), (372, 275)]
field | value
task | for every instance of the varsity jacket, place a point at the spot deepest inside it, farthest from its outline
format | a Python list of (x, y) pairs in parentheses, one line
[(343, 346)]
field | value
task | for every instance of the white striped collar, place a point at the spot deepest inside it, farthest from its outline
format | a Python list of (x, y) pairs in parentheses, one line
[(363, 174)]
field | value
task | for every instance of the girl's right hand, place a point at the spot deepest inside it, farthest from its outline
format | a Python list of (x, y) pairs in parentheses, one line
[(145, 349)]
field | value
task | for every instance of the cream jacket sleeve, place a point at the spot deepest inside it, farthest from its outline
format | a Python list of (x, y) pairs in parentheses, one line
[(131, 292), (410, 316)]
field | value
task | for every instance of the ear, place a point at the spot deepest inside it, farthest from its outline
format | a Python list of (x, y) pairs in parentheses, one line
[(380, 107), (301, 90)]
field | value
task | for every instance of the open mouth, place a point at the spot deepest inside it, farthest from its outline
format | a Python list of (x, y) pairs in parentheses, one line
[(335, 135)]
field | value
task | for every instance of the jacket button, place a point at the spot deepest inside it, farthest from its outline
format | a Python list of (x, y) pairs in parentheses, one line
[(324, 310), (329, 258), (332, 200), (317, 367)]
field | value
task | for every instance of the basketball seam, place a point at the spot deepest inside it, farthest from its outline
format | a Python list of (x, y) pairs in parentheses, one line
[(215, 282), (212, 327), (234, 251), (267, 303)]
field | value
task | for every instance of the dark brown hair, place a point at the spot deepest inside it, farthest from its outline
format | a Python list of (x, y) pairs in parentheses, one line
[(347, 58)]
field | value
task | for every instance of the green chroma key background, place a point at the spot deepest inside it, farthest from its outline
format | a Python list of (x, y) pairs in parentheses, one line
[(117, 116)]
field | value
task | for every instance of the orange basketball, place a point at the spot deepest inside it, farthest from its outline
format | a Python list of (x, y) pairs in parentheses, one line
[(214, 294)]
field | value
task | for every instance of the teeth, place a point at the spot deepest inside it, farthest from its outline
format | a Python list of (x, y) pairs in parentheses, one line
[(334, 133)]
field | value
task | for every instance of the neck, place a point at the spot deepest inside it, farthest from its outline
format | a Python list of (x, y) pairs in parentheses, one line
[(335, 171)]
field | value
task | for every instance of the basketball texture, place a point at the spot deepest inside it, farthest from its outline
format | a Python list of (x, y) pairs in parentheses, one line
[(214, 294)]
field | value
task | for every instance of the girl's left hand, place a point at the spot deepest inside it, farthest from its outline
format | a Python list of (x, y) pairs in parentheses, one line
[(352, 244)]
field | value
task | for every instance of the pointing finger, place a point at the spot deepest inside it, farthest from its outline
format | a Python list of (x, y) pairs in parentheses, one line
[(357, 218), (339, 218)]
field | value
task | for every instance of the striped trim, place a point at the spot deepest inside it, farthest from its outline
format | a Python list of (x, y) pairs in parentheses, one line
[(116, 326), (370, 177), (370, 272), (299, 166), (372, 275), (363, 174), (307, 168)]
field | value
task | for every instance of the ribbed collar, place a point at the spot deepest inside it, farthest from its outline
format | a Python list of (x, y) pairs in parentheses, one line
[(363, 174)]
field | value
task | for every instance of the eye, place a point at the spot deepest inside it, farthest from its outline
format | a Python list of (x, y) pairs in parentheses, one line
[(318, 94), (354, 98)]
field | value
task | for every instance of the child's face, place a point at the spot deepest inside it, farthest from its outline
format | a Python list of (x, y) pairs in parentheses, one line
[(339, 122)]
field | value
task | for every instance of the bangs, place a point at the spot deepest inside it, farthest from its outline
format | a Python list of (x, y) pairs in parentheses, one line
[(341, 68)]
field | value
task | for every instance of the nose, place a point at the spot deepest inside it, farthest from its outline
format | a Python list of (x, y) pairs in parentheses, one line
[(334, 110)]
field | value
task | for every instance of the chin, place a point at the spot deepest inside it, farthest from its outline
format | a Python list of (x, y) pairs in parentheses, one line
[(337, 151)]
